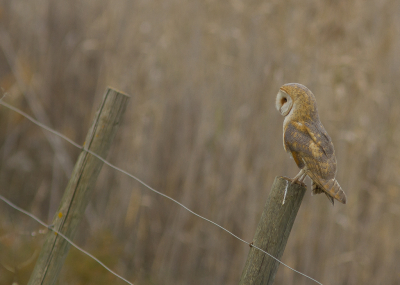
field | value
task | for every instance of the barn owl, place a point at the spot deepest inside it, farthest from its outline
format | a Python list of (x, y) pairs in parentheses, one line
[(306, 140)]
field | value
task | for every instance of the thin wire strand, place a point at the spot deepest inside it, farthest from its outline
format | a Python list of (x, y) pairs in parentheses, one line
[(39, 123), (62, 235), (141, 182)]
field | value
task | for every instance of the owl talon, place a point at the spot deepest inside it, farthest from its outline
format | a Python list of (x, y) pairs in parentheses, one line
[(299, 177), (298, 182)]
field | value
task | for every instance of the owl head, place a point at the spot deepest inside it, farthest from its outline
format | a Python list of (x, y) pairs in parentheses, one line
[(297, 98)]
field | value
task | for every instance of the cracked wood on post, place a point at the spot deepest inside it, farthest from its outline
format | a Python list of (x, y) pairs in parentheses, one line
[(272, 232), (79, 188)]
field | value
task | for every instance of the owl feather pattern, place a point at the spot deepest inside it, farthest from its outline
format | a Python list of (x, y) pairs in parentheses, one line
[(305, 138)]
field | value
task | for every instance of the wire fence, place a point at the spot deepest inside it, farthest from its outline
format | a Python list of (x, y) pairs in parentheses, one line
[(130, 175)]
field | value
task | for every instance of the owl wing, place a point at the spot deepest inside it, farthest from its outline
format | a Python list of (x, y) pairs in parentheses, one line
[(311, 146), (324, 171), (312, 149), (319, 136)]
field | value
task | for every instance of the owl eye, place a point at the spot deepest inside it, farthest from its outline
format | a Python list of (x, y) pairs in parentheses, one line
[(283, 103)]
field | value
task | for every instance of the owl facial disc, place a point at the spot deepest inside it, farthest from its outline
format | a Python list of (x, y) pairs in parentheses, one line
[(283, 103)]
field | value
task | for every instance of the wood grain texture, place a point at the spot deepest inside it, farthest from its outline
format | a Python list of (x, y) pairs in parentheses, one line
[(272, 232), (79, 188)]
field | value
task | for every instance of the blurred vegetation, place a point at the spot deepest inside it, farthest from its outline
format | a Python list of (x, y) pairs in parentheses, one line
[(201, 127)]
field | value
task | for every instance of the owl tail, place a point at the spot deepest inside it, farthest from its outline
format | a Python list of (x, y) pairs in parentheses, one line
[(334, 192)]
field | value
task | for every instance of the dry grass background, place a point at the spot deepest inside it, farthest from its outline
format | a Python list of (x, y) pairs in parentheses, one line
[(201, 127)]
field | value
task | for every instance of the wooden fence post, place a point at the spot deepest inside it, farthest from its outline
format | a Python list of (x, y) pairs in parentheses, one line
[(272, 232), (79, 188)]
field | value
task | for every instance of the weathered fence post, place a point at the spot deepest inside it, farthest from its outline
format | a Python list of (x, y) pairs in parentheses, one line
[(272, 232), (79, 188)]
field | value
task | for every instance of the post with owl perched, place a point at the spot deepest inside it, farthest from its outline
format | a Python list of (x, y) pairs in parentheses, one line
[(272, 232), (306, 140)]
